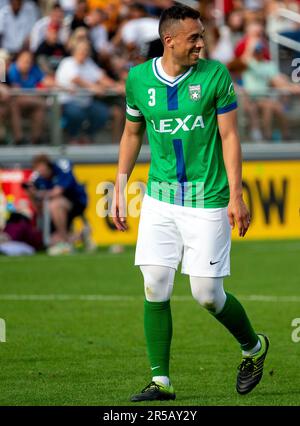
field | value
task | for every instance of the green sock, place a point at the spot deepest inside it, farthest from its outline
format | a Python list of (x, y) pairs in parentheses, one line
[(234, 318), (158, 332)]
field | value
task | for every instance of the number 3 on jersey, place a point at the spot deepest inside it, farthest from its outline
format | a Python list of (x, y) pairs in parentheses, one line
[(151, 93)]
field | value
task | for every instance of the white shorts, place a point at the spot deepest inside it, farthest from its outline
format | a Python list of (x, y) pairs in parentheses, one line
[(169, 233)]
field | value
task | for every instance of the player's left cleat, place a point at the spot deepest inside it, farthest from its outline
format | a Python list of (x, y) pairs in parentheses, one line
[(251, 368), (155, 391)]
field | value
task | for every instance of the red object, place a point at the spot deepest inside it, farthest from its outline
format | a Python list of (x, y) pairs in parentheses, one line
[(228, 6), (241, 46), (16, 197), (53, 26)]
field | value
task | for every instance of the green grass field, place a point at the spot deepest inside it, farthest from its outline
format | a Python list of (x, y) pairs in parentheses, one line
[(75, 330)]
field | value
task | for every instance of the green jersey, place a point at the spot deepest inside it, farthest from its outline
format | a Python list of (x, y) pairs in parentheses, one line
[(187, 165)]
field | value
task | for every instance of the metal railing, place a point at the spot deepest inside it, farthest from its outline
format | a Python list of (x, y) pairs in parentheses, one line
[(284, 110), (56, 135), (54, 122)]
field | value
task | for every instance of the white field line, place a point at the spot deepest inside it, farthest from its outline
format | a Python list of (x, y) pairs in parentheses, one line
[(254, 246), (121, 298)]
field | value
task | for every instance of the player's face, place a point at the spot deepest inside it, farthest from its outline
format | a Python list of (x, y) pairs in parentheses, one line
[(187, 41)]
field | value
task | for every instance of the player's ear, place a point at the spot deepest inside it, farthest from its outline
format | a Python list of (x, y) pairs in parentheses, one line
[(168, 40)]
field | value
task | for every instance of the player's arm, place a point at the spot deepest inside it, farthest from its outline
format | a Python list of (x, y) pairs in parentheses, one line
[(237, 210), (130, 146)]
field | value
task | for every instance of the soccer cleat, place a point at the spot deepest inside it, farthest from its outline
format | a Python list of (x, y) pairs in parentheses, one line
[(155, 391), (251, 368)]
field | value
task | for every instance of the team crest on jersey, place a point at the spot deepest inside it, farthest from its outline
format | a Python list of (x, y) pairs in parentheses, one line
[(195, 92)]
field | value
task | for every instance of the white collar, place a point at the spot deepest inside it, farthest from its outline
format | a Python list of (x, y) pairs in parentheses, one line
[(164, 77)]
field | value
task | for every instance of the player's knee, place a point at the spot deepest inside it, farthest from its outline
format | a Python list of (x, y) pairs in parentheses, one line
[(209, 304), (207, 300), (209, 293), (157, 293), (158, 283)]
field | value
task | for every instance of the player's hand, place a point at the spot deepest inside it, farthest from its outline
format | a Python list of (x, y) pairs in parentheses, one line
[(238, 213), (118, 211)]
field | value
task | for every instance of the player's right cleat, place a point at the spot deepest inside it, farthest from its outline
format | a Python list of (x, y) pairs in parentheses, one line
[(251, 368), (155, 391)]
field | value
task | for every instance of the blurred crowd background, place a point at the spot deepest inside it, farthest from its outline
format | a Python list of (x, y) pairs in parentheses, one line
[(64, 65)]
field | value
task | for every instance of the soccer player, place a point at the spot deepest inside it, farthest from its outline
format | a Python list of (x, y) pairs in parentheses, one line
[(194, 193)]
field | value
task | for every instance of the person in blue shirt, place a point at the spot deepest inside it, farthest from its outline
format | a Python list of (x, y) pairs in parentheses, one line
[(25, 74), (66, 197)]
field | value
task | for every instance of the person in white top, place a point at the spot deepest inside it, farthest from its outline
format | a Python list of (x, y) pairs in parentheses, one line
[(16, 21), (77, 73), (97, 31), (39, 30), (139, 31)]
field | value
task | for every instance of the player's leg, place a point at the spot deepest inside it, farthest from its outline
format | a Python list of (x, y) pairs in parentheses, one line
[(209, 292), (158, 244), (207, 260), (228, 311), (158, 286)]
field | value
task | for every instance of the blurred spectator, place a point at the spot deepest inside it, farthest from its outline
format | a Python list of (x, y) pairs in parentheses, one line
[(68, 6), (5, 100), (112, 10), (23, 73), (39, 30), (98, 33), (21, 229), (103, 51), (16, 21), (155, 7), (79, 17), (258, 78), (254, 34), (223, 49), (139, 30), (5, 97), (79, 72), (50, 52), (78, 35), (67, 199), (248, 106), (236, 24)]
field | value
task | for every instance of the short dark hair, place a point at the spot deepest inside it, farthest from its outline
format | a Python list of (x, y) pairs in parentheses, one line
[(175, 13)]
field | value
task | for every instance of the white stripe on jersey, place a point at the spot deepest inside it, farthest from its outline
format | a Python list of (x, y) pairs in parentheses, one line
[(133, 112)]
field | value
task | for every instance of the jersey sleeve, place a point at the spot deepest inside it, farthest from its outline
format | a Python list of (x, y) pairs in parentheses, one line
[(132, 111), (226, 99)]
